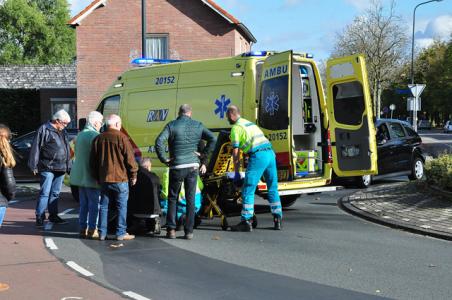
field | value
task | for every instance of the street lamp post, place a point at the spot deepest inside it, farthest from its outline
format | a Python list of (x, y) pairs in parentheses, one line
[(412, 59)]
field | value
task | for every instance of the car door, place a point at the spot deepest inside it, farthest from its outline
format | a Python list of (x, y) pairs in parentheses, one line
[(385, 149), (350, 117), (22, 147), (401, 147)]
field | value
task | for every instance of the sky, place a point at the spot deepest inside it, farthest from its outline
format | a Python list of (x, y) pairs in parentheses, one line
[(312, 25)]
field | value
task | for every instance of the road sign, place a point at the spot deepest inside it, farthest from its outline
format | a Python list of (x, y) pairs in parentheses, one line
[(413, 104), (403, 91), (392, 106), (416, 89)]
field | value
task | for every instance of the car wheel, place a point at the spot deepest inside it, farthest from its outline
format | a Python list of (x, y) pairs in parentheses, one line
[(364, 181), (289, 200), (417, 169)]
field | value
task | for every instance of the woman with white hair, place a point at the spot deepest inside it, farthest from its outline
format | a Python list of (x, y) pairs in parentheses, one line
[(89, 190), (50, 157)]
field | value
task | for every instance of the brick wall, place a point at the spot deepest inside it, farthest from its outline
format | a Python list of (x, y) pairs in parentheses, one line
[(110, 37)]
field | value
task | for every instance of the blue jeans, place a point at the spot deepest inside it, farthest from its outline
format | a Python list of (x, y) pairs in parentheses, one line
[(118, 193), (50, 183), (260, 163), (189, 176), (89, 207), (2, 214)]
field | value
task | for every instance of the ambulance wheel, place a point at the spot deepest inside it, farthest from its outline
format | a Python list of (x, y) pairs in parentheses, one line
[(254, 223), (289, 200), (224, 223)]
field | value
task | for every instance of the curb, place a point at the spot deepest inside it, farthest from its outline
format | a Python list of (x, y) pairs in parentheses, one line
[(347, 207)]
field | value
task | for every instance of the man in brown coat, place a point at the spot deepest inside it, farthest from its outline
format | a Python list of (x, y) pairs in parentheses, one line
[(113, 166)]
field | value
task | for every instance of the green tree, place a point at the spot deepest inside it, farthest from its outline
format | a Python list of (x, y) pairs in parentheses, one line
[(35, 32)]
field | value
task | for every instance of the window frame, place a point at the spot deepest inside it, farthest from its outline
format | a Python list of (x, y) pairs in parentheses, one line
[(150, 36)]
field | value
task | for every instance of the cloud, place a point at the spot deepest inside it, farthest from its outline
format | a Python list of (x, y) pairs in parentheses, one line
[(438, 28)]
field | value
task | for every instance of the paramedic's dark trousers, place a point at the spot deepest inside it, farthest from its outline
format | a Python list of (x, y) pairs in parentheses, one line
[(189, 177)]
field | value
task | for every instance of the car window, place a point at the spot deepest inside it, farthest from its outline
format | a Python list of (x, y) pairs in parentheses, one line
[(410, 131), (397, 130), (382, 133), (24, 141)]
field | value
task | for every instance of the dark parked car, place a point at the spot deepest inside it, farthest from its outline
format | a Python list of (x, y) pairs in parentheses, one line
[(398, 150), (21, 146)]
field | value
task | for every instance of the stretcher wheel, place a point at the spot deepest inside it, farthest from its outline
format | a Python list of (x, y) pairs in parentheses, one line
[(224, 223), (254, 223), (157, 226)]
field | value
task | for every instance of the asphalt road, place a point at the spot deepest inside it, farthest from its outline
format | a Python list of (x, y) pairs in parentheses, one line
[(321, 253), (435, 142)]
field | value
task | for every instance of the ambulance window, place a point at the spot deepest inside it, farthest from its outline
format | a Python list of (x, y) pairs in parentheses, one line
[(348, 103), (109, 106), (273, 106)]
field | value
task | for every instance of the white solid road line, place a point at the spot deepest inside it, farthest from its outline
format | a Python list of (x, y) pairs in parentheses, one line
[(135, 296), (66, 211), (79, 269), (50, 244)]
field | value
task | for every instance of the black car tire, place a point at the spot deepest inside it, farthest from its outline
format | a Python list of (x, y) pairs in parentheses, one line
[(364, 181), (289, 200), (417, 169), (74, 192)]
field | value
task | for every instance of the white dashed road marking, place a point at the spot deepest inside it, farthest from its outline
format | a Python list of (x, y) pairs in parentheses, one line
[(135, 296), (79, 269), (51, 244)]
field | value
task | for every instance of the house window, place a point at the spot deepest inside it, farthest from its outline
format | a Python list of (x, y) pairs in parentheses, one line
[(69, 105), (157, 46)]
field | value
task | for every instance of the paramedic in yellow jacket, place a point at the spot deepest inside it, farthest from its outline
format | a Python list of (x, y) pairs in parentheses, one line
[(181, 206), (248, 137)]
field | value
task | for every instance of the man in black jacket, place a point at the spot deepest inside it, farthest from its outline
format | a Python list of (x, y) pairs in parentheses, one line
[(183, 136), (50, 157)]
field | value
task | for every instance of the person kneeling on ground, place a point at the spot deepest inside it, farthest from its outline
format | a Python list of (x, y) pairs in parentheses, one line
[(143, 206)]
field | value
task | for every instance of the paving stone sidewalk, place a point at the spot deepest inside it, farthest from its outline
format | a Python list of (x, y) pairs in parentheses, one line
[(404, 205)]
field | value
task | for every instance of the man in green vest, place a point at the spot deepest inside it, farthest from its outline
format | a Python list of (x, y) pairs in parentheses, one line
[(248, 137)]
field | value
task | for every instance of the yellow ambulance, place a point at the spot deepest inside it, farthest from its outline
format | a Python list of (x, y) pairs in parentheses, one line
[(312, 135)]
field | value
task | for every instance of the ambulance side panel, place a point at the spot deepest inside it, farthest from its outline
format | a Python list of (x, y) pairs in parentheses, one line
[(210, 87)]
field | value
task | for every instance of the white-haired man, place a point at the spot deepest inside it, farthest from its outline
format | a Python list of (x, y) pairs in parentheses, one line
[(113, 165), (50, 157), (81, 176)]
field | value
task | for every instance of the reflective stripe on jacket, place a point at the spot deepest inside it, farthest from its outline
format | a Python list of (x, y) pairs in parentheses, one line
[(248, 136)]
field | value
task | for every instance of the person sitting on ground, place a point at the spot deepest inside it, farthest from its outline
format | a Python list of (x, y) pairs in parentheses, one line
[(144, 199)]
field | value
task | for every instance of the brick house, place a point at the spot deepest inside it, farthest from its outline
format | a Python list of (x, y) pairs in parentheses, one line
[(109, 38)]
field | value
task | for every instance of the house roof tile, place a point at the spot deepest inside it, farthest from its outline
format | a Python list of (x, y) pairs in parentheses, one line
[(37, 76)]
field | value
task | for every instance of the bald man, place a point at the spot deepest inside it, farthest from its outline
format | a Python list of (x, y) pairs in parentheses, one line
[(113, 166)]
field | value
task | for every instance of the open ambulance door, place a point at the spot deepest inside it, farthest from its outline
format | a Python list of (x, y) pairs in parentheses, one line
[(350, 117), (274, 109)]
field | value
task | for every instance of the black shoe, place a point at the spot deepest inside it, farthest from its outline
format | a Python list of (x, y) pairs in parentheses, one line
[(277, 222), (244, 226), (39, 221), (55, 219)]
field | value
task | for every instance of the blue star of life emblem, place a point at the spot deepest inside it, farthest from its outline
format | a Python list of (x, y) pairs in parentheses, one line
[(222, 106), (271, 103)]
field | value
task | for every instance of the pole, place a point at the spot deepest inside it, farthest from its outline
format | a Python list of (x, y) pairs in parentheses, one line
[(412, 60), (143, 28)]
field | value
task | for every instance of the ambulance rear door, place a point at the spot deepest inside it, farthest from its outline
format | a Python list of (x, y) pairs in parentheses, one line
[(274, 109), (350, 117)]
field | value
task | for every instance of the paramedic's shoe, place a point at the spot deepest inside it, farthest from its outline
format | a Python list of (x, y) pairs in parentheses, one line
[(125, 237), (170, 233), (244, 226), (55, 219), (277, 222), (188, 236)]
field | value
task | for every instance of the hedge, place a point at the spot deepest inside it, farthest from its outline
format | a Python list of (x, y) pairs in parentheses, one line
[(438, 172)]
